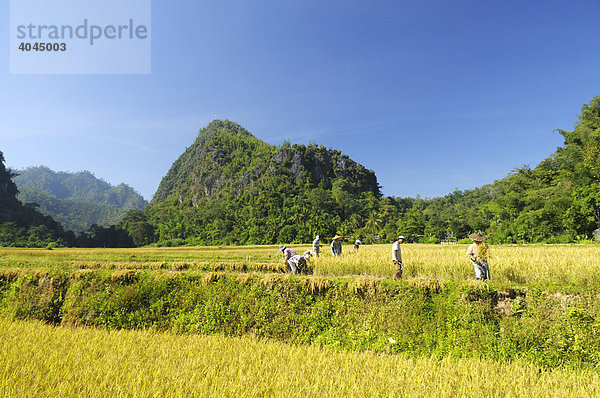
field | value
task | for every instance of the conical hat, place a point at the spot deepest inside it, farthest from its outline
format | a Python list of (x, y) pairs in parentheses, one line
[(478, 237)]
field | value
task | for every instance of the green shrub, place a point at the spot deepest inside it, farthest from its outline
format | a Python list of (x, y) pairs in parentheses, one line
[(34, 296)]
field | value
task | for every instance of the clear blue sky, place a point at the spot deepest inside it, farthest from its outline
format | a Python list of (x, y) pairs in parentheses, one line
[(431, 95)]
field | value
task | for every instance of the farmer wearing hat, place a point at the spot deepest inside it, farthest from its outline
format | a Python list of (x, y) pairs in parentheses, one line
[(397, 257), (287, 254), (479, 254), (336, 246)]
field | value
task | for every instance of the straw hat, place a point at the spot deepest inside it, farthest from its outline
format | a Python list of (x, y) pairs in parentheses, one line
[(477, 237), (337, 237), (401, 237)]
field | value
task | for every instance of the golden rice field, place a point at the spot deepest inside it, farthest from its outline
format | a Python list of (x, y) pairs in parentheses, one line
[(575, 265), (37, 360), (515, 264)]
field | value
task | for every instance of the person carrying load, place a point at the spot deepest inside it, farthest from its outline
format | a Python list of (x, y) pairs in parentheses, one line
[(479, 254)]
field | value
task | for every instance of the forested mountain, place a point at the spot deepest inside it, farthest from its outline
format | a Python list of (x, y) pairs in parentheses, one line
[(231, 187), (76, 200), (22, 225)]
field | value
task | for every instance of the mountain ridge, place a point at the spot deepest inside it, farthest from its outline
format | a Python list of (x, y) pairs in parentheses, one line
[(76, 199), (226, 165)]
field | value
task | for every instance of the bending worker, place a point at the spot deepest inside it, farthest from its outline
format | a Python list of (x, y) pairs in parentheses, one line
[(299, 263), (287, 254)]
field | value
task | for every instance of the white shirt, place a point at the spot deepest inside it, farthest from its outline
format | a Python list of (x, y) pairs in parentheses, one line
[(396, 248)]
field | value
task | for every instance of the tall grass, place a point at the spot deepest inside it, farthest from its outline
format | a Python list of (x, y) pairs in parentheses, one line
[(37, 360), (515, 264), (145, 254), (179, 258), (574, 265)]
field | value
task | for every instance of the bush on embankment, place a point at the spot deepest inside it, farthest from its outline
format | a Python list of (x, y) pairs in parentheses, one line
[(417, 317)]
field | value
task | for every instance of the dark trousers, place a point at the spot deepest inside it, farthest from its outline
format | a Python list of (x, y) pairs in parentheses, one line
[(399, 268)]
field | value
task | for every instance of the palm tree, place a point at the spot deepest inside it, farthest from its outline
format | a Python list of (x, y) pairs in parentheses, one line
[(372, 224)]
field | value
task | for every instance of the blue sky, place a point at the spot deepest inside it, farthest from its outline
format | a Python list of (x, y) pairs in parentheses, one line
[(431, 95)]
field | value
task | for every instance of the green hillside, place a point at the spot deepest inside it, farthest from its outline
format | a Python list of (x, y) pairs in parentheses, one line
[(23, 225), (76, 200), (231, 187)]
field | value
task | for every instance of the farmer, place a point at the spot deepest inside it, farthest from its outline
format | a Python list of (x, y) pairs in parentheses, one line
[(357, 244), (479, 254), (336, 246), (287, 254), (299, 263), (397, 257), (316, 246)]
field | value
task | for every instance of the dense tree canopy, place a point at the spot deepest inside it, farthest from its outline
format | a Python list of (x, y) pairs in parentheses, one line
[(557, 201)]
